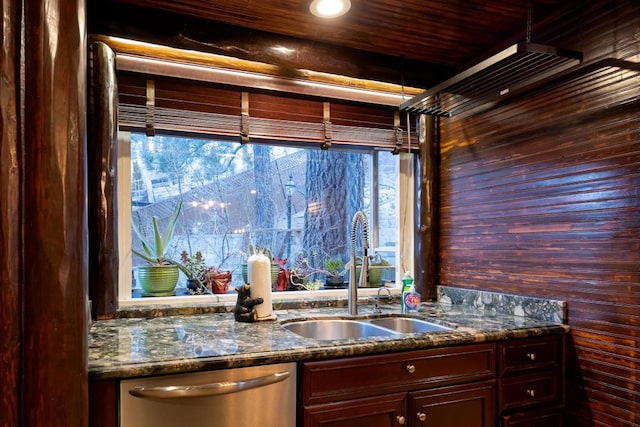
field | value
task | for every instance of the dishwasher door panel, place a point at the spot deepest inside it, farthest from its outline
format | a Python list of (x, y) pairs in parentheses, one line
[(262, 396)]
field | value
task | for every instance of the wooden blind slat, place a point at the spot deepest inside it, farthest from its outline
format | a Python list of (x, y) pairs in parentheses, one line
[(193, 107)]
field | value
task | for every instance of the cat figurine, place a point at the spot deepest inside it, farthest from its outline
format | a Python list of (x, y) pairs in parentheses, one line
[(245, 311)]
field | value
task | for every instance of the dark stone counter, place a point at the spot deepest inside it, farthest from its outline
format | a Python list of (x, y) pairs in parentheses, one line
[(132, 347)]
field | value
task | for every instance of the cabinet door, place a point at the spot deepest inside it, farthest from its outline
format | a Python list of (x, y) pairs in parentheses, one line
[(381, 411), (469, 405)]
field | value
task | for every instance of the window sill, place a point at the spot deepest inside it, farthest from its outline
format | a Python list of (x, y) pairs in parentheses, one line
[(200, 304)]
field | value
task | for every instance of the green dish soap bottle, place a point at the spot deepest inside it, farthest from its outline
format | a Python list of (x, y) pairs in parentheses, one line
[(407, 282)]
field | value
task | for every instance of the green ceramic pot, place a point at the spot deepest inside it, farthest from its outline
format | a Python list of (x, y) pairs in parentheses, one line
[(375, 276), (158, 280), (275, 269), (244, 273)]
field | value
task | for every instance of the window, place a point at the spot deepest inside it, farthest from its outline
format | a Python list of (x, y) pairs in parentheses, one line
[(296, 201), (233, 154)]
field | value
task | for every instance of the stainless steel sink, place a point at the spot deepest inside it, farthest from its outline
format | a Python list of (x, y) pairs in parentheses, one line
[(407, 325), (337, 329)]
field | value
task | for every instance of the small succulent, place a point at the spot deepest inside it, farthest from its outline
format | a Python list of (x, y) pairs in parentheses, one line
[(194, 266), (333, 266), (281, 262)]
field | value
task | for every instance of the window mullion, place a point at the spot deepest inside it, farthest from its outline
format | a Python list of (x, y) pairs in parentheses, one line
[(375, 200)]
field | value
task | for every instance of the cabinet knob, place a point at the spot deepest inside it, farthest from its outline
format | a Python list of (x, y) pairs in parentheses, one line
[(400, 420), (421, 416), (411, 368), (531, 393), (532, 356)]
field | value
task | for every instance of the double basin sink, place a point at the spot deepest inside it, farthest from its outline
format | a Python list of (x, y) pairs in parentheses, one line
[(339, 329)]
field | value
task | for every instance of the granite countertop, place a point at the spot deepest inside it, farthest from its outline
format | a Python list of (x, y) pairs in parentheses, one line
[(133, 347)]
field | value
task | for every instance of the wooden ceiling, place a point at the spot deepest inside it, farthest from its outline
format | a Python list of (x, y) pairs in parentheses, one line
[(438, 37)]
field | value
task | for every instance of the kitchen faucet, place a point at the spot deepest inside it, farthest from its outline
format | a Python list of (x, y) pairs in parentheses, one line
[(352, 299)]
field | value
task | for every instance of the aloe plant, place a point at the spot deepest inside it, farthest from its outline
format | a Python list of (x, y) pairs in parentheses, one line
[(154, 251)]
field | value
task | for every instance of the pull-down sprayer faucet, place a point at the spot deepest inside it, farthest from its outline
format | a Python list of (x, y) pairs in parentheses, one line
[(352, 299)]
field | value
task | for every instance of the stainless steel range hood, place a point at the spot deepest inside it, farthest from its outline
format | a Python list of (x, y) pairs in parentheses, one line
[(518, 67)]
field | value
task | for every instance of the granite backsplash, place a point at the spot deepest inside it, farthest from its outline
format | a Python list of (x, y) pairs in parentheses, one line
[(499, 303)]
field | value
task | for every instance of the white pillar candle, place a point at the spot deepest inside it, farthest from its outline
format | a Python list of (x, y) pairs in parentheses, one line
[(259, 277)]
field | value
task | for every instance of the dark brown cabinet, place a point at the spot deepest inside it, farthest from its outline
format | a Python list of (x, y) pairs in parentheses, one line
[(439, 387), (547, 417), (530, 381), (469, 405), (380, 411), (514, 383)]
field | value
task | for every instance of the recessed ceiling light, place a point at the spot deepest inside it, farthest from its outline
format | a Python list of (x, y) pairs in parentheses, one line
[(329, 8)]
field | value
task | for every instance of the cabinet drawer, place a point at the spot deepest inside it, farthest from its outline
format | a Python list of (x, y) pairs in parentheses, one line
[(530, 389), (332, 380), (530, 354), (551, 417)]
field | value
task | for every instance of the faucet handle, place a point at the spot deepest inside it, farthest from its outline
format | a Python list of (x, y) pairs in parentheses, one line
[(377, 307)]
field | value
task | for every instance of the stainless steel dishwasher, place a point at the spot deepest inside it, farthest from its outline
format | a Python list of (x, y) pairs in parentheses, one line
[(263, 396)]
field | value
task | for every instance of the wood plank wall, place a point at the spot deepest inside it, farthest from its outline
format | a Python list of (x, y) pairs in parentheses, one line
[(540, 196)]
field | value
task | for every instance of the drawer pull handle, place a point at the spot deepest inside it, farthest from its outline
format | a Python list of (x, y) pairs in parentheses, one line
[(531, 393), (400, 420), (532, 356), (411, 368), (422, 416)]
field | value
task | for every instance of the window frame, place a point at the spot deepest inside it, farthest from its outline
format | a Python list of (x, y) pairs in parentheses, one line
[(108, 55)]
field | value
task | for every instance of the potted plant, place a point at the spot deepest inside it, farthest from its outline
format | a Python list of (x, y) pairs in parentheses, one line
[(217, 280), (194, 267), (334, 277), (300, 273), (160, 277), (377, 265), (284, 275)]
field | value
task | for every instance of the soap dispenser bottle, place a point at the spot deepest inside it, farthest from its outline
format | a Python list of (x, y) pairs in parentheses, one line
[(411, 300), (407, 282)]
